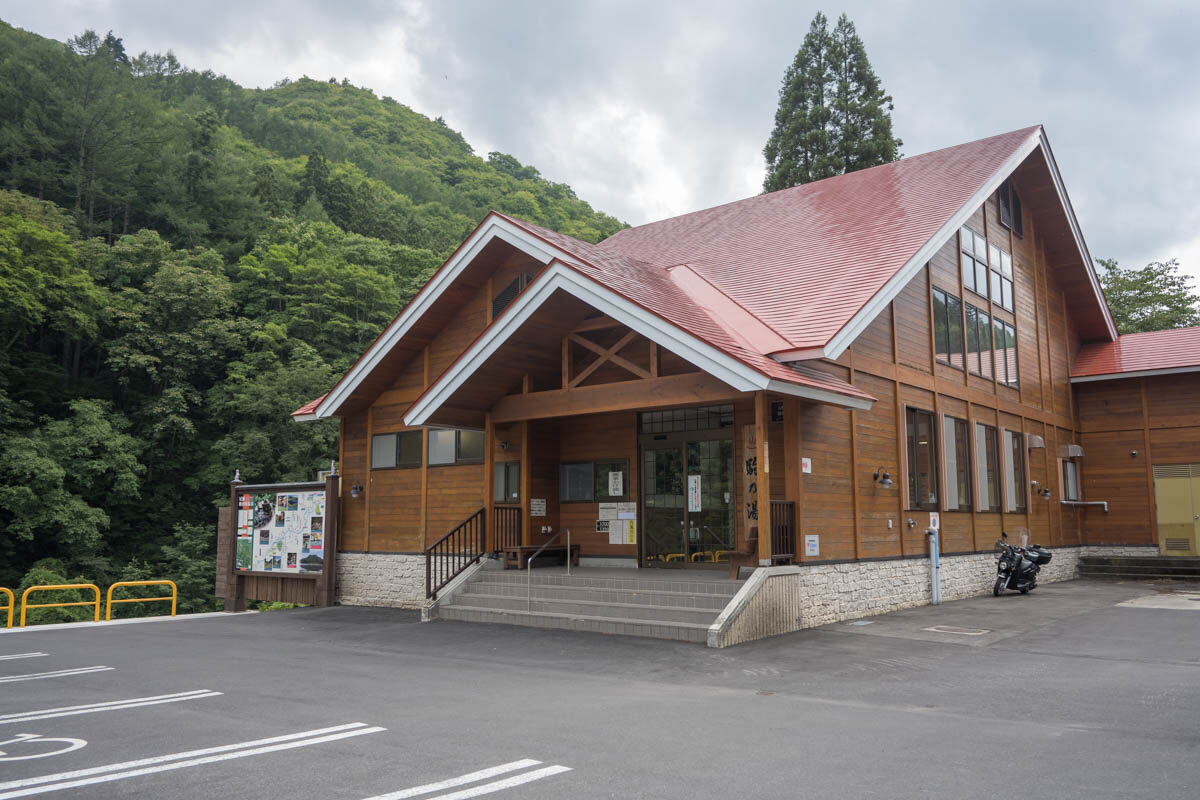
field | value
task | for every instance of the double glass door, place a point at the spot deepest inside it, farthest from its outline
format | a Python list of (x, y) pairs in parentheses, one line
[(687, 501)]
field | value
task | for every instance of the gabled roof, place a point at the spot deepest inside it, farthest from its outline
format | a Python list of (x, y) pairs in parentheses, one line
[(1135, 354), (781, 277)]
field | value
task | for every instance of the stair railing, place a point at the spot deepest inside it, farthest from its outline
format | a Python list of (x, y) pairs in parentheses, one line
[(538, 552), (446, 558)]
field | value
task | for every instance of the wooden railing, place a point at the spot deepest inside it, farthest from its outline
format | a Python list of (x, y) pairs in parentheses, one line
[(454, 552), (506, 527), (783, 532)]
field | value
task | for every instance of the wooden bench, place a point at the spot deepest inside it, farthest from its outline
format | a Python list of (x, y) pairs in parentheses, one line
[(744, 558), (515, 557)]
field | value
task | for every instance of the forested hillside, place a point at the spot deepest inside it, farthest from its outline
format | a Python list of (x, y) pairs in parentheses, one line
[(183, 262)]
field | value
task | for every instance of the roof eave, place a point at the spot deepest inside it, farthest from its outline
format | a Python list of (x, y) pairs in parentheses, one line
[(1141, 373)]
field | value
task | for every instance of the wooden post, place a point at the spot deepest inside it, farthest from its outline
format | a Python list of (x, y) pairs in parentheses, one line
[(326, 588), (489, 482), (793, 466), (763, 455), (526, 484)]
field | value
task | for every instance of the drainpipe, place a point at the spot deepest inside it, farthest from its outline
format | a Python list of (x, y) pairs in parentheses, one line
[(935, 565)]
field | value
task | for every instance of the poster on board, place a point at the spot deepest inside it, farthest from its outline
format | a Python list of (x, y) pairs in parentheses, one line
[(281, 532)]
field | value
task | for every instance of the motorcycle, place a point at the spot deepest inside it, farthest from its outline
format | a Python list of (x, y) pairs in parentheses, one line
[(1018, 567)]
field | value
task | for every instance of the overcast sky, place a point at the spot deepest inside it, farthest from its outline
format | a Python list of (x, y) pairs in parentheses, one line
[(651, 109)]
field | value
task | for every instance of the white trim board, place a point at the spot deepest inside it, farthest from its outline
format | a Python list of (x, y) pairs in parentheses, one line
[(1142, 373), (558, 276), (493, 227)]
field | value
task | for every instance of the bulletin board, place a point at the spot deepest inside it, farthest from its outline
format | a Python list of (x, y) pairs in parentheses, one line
[(281, 531)]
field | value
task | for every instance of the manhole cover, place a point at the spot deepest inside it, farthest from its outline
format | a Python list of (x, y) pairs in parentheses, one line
[(958, 630)]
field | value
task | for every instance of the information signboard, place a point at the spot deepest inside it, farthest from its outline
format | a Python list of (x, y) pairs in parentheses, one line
[(281, 531)]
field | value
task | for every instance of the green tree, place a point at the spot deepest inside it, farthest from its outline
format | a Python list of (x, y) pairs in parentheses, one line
[(833, 116), (1153, 298)]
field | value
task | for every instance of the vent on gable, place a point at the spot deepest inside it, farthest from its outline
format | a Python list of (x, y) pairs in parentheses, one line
[(502, 300)]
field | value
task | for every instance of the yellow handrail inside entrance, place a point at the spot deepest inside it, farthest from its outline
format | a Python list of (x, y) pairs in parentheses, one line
[(12, 603), (53, 587), (109, 604)]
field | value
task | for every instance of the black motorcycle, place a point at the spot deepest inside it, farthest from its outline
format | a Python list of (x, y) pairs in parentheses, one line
[(1018, 567)]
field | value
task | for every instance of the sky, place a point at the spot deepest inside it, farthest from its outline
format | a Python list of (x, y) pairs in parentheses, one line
[(655, 108)]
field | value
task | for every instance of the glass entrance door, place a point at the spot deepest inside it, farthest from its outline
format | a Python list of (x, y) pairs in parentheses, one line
[(687, 501)]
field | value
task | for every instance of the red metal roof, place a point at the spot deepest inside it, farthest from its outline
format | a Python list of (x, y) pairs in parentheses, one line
[(309, 407), (805, 260), (1176, 349)]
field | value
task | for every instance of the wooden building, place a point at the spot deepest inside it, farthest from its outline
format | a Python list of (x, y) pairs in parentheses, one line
[(809, 376)]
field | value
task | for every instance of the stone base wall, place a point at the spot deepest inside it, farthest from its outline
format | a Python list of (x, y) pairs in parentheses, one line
[(788, 599), (381, 579)]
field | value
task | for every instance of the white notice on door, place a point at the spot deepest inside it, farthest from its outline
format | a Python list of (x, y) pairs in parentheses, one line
[(694, 493), (626, 510), (608, 511), (616, 484)]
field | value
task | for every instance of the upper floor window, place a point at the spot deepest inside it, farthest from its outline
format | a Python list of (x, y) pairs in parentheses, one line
[(509, 293), (1005, 340), (972, 254), (948, 328), (1002, 277), (392, 450), (922, 460), (979, 341), (1010, 208), (455, 447)]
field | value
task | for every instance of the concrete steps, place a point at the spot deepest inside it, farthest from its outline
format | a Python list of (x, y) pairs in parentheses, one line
[(1131, 567), (679, 606)]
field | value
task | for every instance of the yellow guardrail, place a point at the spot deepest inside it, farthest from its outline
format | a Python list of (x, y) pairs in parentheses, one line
[(174, 598), (57, 586), (12, 603)]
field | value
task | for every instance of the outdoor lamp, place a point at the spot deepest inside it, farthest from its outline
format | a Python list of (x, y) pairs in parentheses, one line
[(356, 489), (881, 475)]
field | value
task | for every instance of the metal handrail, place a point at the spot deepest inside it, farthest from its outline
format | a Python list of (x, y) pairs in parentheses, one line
[(538, 552), (174, 597)]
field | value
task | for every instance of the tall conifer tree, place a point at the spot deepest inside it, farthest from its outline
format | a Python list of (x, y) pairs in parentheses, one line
[(833, 114)]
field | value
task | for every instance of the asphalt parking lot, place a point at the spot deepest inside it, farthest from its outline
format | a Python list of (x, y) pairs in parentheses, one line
[(1078, 690)]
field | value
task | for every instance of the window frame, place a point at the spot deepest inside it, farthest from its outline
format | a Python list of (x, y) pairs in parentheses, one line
[(963, 460), (459, 460), (980, 327), (986, 467), (976, 257), (1016, 490), (593, 497), (399, 436), (1012, 381), (1070, 487), (948, 318), (911, 448), (503, 493)]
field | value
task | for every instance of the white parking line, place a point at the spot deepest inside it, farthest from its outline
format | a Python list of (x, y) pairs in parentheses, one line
[(473, 777), (146, 766), (21, 655), (112, 705), (60, 673)]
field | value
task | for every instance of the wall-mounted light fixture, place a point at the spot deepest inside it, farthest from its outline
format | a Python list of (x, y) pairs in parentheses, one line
[(1133, 453), (1045, 494), (504, 444), (881, 475), (356, 489)]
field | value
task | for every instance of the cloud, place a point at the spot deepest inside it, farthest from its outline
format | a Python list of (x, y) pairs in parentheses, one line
[(655, 109)]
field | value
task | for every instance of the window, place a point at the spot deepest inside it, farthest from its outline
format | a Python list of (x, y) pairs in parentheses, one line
[(1014, 470), (1010, 208), (956, 435), (979, 341), (1005, 341), (1070, 480), (390, 450), (987, 467), (507, 482), (455, 447), (1002, 277), (948, 328), (922, 461), (973, 261), (687, 419), (509, 293), (590, 481)]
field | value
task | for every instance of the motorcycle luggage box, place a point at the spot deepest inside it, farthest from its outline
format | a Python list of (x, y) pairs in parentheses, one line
[(1039, 555)]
